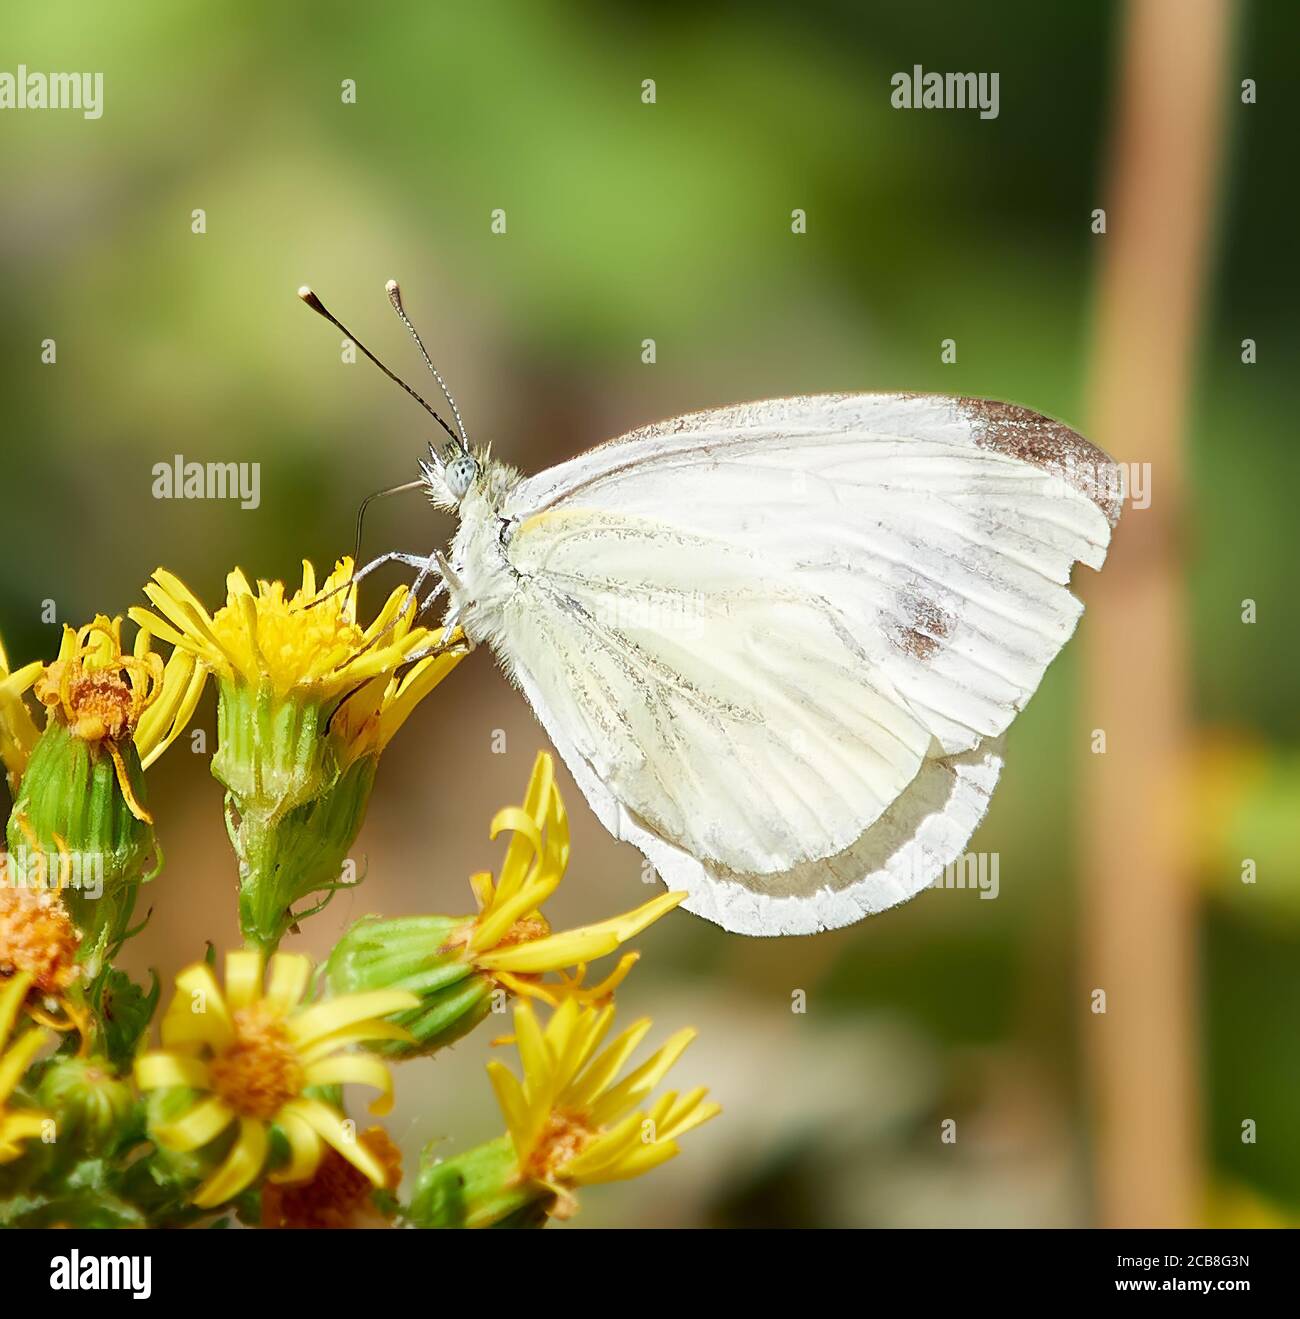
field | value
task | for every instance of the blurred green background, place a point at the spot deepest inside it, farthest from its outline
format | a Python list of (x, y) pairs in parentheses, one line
[(671, 222)]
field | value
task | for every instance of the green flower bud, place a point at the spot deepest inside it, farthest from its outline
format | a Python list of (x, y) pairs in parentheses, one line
[(426, 956), (480, 1188), (91, 1106)]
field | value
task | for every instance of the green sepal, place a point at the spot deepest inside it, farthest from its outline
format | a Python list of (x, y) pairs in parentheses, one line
[(272, 750), (424, 955), (287, 858), (70, 803)]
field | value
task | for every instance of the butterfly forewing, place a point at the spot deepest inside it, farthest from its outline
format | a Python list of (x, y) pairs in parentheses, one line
[(777, 642)]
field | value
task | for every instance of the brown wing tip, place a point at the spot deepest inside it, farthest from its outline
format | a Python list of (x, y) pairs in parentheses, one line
[(1033, 438)]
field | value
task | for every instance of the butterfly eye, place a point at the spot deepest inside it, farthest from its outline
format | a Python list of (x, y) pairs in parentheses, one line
[(460, 474)]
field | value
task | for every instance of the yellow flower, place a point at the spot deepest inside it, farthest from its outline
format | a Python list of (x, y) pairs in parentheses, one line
[(307, 699), (572, 1122), (16, 1126), (510, 939), (249, 1055), (368, 719), (456, 963), (105, 696), (309, 643), (18, 731)]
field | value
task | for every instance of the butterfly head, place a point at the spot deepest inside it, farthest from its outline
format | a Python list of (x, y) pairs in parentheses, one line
[(449, 474), (460, 473)]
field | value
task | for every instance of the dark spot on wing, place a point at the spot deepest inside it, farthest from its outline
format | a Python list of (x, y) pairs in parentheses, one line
[(922, 624), (1033, 438)]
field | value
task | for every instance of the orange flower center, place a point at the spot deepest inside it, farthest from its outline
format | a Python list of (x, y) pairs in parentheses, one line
[(260, 1072), (97, 703), (524, 930), (564, 1137), (37, 936)]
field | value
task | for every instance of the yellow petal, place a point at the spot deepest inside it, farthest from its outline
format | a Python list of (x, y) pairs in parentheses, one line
[(550, 953), (18, 1058), (290, 973), (632, 1089), (243, 978), (204, 1122), (158, 1069), (334, 1014), (600, 992), (415, 686), (11, 1001), (574, 1034), (155, 626), (237, 584), (687, 1114), (26, 1124), (358, 1034), (641, 1159), (611, 1146), (481, 886), (527, 835), (513, 1105), (355, 1069), (239, 1167), (329, 1125), (528, 987), (247, 607), (492, 924), (581, 945), (600, 1074), (180, 606), (304, 1150), (168, 717), (198, 1013), (530, 1042)]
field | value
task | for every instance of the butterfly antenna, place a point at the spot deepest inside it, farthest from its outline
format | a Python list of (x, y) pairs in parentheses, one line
[(322, 310), (395, 297)]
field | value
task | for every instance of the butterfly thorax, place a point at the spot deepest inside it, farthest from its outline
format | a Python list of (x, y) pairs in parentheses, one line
[(480, 550)]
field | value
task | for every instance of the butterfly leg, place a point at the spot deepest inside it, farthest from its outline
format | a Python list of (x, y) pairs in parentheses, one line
[(428, 566), (395, 556), (449, 581)]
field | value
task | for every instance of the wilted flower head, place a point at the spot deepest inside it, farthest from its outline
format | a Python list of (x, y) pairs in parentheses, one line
[(37, 936), (338, 1195), (106, 697), (79, 821)]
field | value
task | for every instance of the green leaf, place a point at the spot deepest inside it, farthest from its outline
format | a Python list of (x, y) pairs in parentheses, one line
[(124, 1011)]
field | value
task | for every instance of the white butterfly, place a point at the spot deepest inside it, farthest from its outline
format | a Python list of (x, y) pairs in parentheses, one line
[(777, 644)]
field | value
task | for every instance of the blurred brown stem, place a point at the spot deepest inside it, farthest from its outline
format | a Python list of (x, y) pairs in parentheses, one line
[(1138, 934)]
